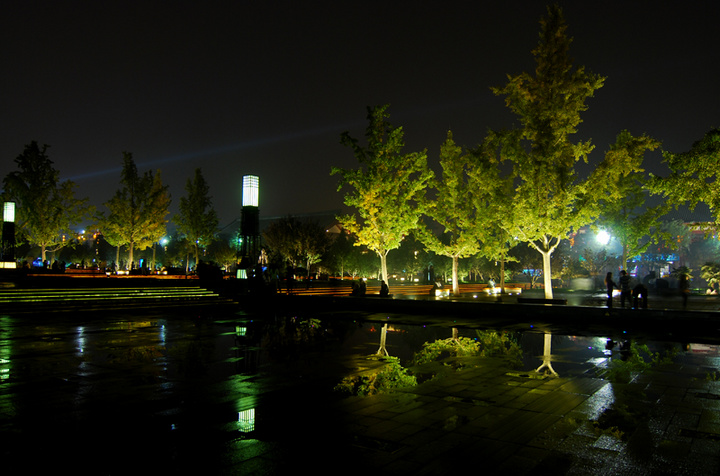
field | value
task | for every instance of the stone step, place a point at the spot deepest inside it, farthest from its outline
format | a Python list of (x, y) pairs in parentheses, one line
[(14, 300)]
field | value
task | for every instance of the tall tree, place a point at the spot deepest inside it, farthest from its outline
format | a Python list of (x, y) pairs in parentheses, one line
[(634, 224), (460, 206), (550, 200), (386, 189), (197, 221), (694, 176), (138, 211), (46, 207)]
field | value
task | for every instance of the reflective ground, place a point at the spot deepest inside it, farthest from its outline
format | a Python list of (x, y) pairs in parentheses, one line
[(233, 393)]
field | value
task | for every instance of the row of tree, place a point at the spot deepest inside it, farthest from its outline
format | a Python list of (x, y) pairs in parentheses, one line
[(520, 185), (136, 216)]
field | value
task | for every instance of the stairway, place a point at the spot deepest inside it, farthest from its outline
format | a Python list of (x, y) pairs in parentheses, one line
[(13, 300)]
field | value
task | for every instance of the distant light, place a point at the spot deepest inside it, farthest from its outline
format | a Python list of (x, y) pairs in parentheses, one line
[(251, 190), (603, 237), (9, 212)]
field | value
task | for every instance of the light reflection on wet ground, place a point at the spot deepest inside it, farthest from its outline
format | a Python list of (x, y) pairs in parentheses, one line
[(235, 394)]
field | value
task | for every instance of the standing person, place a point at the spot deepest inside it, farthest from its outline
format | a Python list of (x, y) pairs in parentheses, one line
[(625, 291), (610, 286), (684, 288)]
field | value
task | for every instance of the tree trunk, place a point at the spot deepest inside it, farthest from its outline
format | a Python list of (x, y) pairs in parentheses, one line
[(131, 248), (547, 274), (382, 350), (502, 274), (383, 265), (456, 284), (625, 257)]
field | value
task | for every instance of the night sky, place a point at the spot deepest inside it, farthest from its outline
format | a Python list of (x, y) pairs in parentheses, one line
[(266, 88)]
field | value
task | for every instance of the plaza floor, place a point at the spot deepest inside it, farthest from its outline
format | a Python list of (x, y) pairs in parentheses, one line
[(158, 394)]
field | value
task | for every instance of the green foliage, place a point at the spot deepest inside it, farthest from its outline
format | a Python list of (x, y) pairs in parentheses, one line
[(387, 188), (549, 199), (681, 271), (710, 272), (392, 376), (137, 211), (638, 359), (469, 186), (456, 347), (631, 222), (487, 344), (694, 175), (45, 207), (197, 220)]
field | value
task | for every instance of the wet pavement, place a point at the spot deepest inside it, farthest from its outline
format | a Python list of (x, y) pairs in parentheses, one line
[(217, 392)]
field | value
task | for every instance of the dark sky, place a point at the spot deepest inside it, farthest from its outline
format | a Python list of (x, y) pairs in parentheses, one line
[(266, 88)]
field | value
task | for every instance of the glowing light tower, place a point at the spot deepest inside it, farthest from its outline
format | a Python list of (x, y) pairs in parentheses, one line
[(250, 222), (8, 236)]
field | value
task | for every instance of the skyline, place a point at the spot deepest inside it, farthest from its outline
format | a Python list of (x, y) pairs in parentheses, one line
[(267, 90)]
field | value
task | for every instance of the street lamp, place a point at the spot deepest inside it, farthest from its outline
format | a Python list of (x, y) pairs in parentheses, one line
[(8, 235), (603, 237)]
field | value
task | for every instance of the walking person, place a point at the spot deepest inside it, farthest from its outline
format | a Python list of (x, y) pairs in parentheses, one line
[(610, 284)]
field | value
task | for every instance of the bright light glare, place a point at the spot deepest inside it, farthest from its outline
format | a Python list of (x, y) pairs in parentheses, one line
[(251, 190), (9, 212), (603, 237)]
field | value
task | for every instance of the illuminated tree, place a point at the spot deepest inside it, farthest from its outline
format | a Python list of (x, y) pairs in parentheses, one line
[(137, 211), (549, 199), (46, 208), (197, 220), (461, 206), (633, 224), (694, 175), (385, 190)]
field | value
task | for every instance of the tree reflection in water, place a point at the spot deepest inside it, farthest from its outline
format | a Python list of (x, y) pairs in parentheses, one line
[(547, 358), (434, 359)]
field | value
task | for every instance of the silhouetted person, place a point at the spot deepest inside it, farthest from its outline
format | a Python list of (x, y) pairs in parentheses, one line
[(610, 284), (384, 289), (625, 291), (640, 291), (289, 278), (684, 286)]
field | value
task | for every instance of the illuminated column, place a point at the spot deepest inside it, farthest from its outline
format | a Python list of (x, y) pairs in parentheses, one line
[(250, 222), (8, 235)]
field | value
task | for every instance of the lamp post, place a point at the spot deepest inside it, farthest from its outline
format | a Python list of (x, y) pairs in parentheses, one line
[(8, 235), (249, 222)]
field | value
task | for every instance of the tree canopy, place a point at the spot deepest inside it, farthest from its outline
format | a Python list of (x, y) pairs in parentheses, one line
[(630, 221), (46, 208), (464, 195), (693, 175), (550, 199), (138, 211), (386, 189), (197, 220)]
